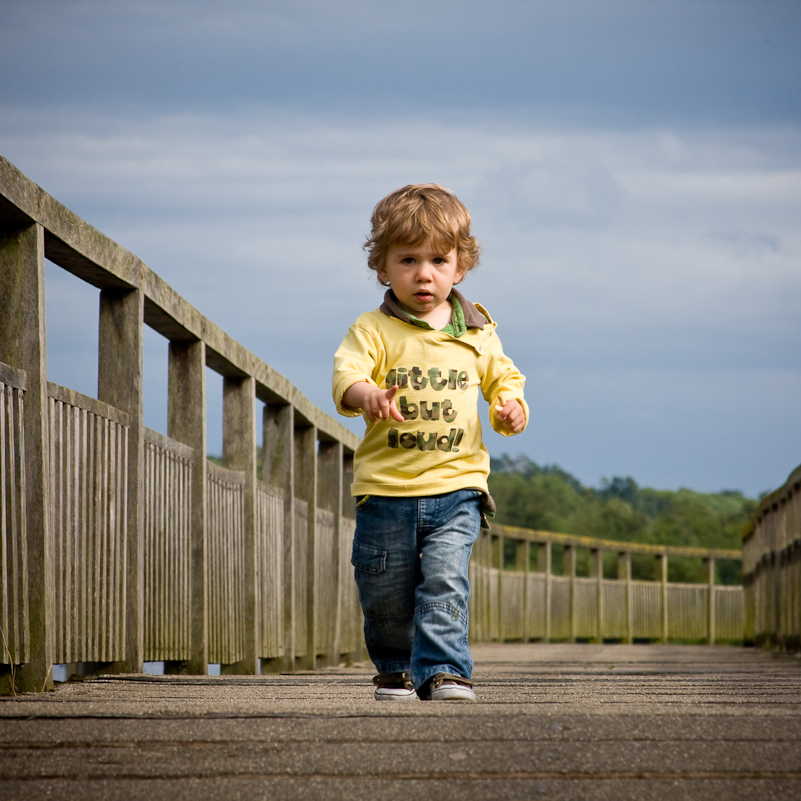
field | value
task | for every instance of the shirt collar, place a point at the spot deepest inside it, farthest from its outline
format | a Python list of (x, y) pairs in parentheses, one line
[(473, 318)]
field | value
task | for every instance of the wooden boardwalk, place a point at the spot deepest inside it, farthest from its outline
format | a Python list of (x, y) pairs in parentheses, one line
[(553, 721)]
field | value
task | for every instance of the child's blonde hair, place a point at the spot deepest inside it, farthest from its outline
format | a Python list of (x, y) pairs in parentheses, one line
[(421, 213)]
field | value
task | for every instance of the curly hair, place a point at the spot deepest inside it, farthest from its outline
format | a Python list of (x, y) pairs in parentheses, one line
[(420, 213)]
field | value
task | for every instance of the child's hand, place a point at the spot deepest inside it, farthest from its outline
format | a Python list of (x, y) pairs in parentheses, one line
[(511, 415), (379, 404)]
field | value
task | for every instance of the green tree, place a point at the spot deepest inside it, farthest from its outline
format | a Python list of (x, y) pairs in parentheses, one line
[(550, 499)]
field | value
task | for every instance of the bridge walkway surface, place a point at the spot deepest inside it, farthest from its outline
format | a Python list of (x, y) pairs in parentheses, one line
[(551, 721)]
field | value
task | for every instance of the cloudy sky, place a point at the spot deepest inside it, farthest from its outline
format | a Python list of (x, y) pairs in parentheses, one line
[(633, 169)]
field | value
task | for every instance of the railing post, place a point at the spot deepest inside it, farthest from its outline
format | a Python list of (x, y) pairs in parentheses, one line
[(570, 567), (279, 471), (306, 477), (239, 453), (662, 577), (479, 596), (544, 565), (784, 596), (22, 346), (709, 570), (329, 492), (119, 384), (597, 572), (794, 595), (522, 565), (186, 422), (774, 588), (498, 561), (624, 574), (346, 580)]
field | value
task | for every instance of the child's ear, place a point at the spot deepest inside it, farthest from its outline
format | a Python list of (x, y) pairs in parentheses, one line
[(460, 274)]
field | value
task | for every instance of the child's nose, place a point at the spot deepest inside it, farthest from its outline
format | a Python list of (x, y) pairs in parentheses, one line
[(424, 271)]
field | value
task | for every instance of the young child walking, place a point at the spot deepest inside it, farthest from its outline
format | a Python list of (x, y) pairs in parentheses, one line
[(414, 368)]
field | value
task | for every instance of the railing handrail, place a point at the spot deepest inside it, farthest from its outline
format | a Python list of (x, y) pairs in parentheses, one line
[(79, 248), (621, 546), (772, 568), (772, 501)]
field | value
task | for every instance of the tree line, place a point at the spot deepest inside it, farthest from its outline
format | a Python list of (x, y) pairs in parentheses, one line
[(548, 498)]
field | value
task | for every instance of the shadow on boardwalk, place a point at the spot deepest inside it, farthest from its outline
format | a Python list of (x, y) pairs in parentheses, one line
[(552, 721)]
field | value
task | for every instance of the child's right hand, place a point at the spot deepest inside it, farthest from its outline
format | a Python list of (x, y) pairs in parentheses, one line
[(379, 404)]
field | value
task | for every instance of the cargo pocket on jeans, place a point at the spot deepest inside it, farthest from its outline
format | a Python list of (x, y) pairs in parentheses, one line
[(371, 560)]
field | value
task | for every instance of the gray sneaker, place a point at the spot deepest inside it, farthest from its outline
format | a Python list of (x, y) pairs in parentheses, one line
[(393, 687), (447, 687)]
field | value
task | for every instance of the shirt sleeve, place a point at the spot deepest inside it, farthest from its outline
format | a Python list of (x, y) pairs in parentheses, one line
[(501, 380), (355, 360)]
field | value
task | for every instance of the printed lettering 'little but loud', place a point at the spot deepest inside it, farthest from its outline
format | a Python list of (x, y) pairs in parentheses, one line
[(426, 441), (415, 378), (411, 411)]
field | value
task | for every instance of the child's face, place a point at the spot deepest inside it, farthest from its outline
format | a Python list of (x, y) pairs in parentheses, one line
[(421, 276)]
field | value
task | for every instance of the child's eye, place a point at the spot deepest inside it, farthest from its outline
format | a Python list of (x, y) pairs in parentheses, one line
[(438, 260), (407, 260)]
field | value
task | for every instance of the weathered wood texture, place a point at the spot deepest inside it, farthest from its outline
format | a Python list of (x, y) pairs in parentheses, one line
[(186, 424), (13, 542), (226, 566), (22, 348), (772, 568), (270, 527), (167, 549), (88, 463), (300, 574)]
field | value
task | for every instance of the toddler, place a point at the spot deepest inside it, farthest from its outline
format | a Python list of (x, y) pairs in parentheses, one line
[(414, 368)]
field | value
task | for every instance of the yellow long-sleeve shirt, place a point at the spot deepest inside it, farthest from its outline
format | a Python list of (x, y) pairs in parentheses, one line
[(438, 448)]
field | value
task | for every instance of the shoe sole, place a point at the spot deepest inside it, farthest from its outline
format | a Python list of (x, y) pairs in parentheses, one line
[(453, 694), (396, 696)]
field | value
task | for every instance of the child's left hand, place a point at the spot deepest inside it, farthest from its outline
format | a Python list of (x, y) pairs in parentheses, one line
[(511, 415)]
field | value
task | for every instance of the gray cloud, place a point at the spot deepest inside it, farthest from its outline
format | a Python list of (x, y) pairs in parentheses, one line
[(566, 190)]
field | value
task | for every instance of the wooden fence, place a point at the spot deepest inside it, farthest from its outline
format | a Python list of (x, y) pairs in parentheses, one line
[(772, 569), (526, 601), (120, 545)]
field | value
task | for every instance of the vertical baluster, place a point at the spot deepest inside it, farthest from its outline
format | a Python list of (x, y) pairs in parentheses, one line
[(624, 574), (570, 566), (545, 566)]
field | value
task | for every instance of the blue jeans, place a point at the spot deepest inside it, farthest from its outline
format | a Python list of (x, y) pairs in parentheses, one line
[(410, 557)]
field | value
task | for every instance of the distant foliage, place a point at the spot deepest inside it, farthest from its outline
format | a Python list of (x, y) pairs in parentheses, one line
[(550, 499)]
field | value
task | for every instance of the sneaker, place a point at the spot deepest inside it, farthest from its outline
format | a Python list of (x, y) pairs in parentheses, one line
[(393, 687), (447, 687)]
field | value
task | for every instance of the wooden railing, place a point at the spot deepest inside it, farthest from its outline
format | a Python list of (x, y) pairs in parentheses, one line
[(526, 601), (120, 545), (772, 569)]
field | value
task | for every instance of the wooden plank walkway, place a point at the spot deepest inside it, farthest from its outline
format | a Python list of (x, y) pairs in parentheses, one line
[(552, 721)]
